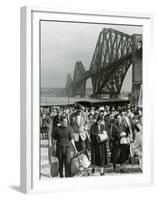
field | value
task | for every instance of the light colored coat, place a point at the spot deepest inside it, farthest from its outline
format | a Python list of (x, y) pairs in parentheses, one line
[(78, 129)]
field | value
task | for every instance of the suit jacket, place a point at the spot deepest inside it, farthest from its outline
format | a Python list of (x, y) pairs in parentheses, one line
[(73, 122), (78, 129)]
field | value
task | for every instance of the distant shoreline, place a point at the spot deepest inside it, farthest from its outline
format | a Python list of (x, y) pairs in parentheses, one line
[(52, 101)]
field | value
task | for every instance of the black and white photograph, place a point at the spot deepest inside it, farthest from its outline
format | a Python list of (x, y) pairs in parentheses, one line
[(91, 94)]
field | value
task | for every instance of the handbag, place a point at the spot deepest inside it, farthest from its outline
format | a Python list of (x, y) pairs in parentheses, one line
[(51, 152), (54, 166), (83, 135), (102, 137), (129, 139)]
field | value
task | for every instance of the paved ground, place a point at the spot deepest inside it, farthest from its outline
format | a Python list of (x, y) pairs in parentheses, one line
[(45, 166)]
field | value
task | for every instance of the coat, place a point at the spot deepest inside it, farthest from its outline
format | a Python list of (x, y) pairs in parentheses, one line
[(98, 150), (119, 152), (78, 129), (137, 146)]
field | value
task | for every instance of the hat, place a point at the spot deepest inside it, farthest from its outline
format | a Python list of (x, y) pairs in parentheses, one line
[(101, 109)]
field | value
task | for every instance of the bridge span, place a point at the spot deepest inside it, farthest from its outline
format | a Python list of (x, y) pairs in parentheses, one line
[(114, 53)]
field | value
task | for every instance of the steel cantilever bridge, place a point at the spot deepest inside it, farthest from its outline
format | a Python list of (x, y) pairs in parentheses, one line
[(114, 53)]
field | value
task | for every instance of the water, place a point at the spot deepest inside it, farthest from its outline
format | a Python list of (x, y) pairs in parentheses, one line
[(62, 100)]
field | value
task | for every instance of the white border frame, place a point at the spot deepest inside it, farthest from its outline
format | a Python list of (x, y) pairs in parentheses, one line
[(30, 102)]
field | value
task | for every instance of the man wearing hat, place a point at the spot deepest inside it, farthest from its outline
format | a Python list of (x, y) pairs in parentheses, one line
[(78, 124)]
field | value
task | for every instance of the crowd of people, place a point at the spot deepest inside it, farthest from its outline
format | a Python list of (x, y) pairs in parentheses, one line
[(96, 131)]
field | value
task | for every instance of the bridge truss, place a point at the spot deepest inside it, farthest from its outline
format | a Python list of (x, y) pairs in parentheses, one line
[(113, 55)]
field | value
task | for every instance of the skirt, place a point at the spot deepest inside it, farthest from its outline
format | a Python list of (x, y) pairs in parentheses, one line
[(120, 154), (99, 154), (124, 153)]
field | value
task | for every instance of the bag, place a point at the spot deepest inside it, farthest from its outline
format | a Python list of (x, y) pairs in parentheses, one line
[(102, 137), (54, 166), (83, 135), (79, 163), (129, 139), (123, 140), (51, 152), (76, 137)]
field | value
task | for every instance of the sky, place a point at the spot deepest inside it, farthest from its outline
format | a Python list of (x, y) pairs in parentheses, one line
[(64, 43)]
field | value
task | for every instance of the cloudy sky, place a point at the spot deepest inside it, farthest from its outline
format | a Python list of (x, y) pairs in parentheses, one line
[(64, 43)]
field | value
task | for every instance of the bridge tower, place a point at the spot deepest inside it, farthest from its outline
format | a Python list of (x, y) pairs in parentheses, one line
[(111, 60), (68, 89), (137, 67), (79, 84)]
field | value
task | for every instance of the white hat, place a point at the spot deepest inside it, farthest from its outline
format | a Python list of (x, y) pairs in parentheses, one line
[(101, 108)]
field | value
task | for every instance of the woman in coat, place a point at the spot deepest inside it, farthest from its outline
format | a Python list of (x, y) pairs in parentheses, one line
[(98, 150), (120, 146)]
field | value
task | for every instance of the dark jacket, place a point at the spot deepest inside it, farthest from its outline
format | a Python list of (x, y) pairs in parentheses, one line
[(56, 121), (99, 150), (117, 129), (119, 152)]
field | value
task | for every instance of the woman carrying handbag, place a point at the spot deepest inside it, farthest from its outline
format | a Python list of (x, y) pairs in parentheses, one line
[(120, 146), (99, 137)]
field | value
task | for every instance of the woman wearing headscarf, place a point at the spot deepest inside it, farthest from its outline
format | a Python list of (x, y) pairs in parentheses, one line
[(98, 149), (120, 147)]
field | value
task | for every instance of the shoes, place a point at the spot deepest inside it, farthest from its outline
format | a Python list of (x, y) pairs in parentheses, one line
[(123, 170), (114, 167), (141, 170), (102, 174)]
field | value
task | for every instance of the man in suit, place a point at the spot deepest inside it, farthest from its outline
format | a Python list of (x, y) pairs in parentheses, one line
[(78, 124)]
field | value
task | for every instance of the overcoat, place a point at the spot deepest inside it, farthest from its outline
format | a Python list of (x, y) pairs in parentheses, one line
[(98, 150), (119, 152)]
